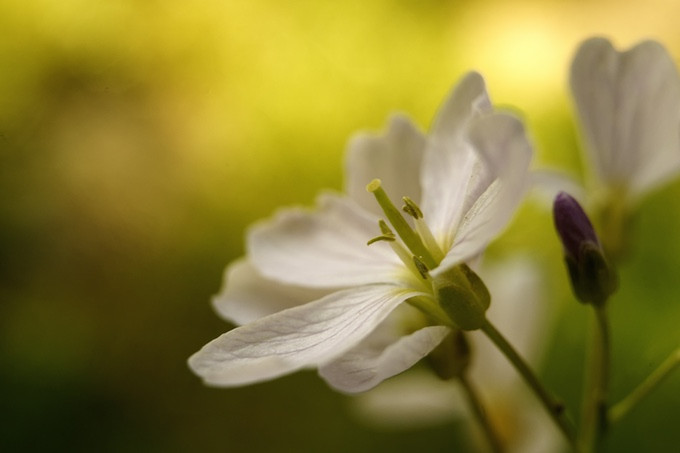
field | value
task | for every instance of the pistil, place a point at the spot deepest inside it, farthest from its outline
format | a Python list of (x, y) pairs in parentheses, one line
[(411, 238)]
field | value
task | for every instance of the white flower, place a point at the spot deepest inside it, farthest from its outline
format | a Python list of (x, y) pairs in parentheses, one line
[(418, 398), (629, 108), (312, 294)]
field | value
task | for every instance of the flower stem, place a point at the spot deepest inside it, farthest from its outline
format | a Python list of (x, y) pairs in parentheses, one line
[(479, 412), (554, 408), (594, 419), (624, 406)]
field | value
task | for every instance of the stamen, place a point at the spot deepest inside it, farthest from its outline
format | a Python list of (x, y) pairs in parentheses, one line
[(423, 229), (387, 234), (398, 248), (408, 260), (382, 237), (411, 208), (422, 268), (384, 228), (404, 230)]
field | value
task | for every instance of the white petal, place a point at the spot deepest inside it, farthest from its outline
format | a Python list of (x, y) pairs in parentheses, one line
[(324, 248), (394, 158), (246, 295), (629, 108), (505, 151), (376, 359), (452, 174), (468, 100), (299, 337)]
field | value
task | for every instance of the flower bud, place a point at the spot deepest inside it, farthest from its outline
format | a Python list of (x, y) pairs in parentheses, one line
[(592, 279)]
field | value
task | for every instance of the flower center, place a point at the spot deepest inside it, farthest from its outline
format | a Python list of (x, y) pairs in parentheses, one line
[(425, 254), (457, 297)]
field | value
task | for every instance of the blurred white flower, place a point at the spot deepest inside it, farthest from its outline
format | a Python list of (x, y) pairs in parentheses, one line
[(311, 293), (629, 110), (418, 398)]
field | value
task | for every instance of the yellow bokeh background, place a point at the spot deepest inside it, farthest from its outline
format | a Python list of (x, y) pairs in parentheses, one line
[(139, 139)]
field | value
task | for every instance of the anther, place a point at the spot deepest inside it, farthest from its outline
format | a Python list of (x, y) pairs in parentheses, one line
[(382, 237), (387, 234), (384, 228), (422, 268), (411, 208)]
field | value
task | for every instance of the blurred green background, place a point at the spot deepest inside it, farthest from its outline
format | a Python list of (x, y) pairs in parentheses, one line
[(138, 140)]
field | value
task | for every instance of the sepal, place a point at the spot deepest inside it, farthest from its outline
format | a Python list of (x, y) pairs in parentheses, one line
[(463, 296)]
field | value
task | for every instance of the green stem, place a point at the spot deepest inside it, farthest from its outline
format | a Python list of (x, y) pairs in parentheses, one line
[(479, 412), (554, 408), (653, 380), (594, 418)]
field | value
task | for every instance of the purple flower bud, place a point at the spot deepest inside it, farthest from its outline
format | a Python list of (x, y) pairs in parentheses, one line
[(573, 225), (592, 279)]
